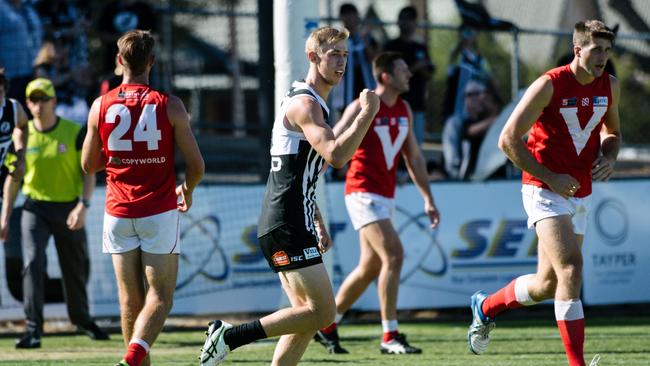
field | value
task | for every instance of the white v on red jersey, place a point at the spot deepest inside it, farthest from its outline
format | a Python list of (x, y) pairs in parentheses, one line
[(138, 141), (566, 136), (374, 165)]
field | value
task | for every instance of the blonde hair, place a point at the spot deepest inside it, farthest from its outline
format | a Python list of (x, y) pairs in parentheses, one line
[(325, 36), (136, 48), (584, 32)]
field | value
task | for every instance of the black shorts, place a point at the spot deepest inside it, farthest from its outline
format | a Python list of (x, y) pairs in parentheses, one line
[(288, 247)]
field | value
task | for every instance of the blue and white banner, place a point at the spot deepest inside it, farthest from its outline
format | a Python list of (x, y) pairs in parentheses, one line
[(482, 243)]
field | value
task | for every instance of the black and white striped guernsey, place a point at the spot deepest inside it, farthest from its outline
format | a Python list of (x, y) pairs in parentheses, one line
[(8, 120), (290, 191)]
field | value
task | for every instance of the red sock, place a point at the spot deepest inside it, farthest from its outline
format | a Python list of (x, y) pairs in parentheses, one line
[(571, 323), (501, 300), (328, 330), (135, 353), (388, 336)]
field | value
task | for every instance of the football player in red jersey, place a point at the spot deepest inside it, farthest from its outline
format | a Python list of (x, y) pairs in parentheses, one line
[(369, 198), (572, 115), (138, 128)]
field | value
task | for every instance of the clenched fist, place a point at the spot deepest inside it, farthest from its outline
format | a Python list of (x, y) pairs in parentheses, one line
[(369, 101)]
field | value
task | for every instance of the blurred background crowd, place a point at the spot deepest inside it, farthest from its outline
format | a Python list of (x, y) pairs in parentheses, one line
[(468, 61)]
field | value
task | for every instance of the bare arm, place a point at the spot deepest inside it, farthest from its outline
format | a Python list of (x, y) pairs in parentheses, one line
[(19, 137), (520, 121), (194, 165), (417, 169), (9, 193), (324, 239), (610, 137), (347, 119), (306, 114), (91, 160)]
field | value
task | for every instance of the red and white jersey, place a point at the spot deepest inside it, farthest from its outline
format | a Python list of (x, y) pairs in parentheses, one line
[(566, 136), (373, 166), (138, 141)]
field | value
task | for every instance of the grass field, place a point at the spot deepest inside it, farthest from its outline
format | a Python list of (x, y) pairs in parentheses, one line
[(619, 341)]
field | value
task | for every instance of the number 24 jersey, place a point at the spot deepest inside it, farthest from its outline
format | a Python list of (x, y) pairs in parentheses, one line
[(138, 141)]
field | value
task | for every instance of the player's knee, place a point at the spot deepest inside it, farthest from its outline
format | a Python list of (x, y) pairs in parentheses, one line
[(547, 286), (370, 271), (395, 257), (324, 314), (570, 271)]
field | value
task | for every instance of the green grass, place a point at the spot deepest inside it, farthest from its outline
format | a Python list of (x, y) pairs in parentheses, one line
[(620, 341)]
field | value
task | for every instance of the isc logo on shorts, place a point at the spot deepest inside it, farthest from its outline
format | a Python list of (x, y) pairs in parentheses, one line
[(280, 259), (311, 253)]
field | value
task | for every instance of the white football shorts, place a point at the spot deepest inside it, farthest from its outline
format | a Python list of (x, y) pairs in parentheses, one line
[(365, 208), (541, 203), (156, 234)]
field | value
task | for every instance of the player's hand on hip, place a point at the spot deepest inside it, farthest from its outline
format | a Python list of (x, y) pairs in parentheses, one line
[(564, 185), (434, 215), (369, 101), (602, 169)]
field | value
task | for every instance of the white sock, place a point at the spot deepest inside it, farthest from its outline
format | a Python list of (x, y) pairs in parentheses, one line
[(337, 318), (141, 342), (389, 325), (521, 290)]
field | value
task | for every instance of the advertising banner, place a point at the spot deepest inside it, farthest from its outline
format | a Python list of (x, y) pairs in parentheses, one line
[(482, 243)]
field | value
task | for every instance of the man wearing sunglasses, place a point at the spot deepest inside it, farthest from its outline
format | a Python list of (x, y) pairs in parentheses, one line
[(57, 196)]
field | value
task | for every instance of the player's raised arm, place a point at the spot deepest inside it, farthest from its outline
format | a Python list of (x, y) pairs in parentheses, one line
[(307, 115), (349, 115), (610, 137), (91, 160)]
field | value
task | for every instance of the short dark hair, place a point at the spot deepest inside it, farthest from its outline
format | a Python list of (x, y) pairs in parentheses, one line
[(409, 12), (136, 48), (348, 8), (384, 62), (586, 31)]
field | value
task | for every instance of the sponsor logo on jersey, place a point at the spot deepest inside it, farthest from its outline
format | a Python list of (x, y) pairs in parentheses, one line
[(311, 252), (569, 102), (280, 259), (129, 95), (585, 102), (403, 121), (297, 258), (62, 148), (5, 127), (137, 161), (600, 101)]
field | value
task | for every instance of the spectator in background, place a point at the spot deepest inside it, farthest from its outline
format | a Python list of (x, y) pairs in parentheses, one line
[(116, 18), (362, 49), (466, 63), (463, 133), (57, 197), (21, 34), (66, 26), (64, 21), (416, 54), (52, 63)]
